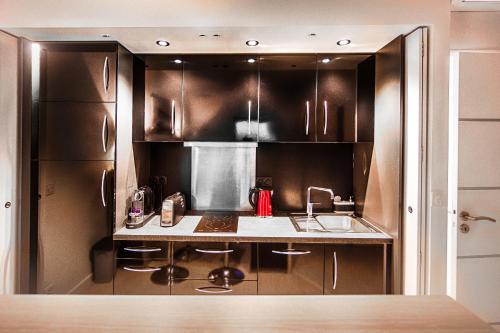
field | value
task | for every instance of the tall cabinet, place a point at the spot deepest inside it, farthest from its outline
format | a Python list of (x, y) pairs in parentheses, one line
[(74, 114)]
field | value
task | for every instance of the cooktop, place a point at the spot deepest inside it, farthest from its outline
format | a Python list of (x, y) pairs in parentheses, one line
[(218, 222)]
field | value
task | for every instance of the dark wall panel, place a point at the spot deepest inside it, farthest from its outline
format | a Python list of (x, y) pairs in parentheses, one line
[(366, 99), (294, 167), (173, 160)]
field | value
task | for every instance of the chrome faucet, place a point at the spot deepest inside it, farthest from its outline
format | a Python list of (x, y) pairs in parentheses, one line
[(311, 204)]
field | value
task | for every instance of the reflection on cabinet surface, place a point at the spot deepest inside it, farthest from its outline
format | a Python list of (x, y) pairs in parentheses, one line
[(290, 269), (142, 277), (78, 72), (354, 269), (287, 98), (220, 98), (163, 98)]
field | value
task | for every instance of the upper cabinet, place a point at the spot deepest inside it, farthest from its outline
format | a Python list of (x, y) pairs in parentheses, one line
[(92, 77), (220, 98), (366, 99), (163, 98), (287, 98), (336, 111)]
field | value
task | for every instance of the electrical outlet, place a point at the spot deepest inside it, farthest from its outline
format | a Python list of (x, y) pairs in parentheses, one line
[(264, 182)]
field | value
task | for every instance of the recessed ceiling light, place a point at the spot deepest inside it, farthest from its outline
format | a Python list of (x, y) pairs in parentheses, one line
[(105, 35), (312, 34), (252, 42), (202, 35), (344, 42), (250, 60), (162, 42), (178, 61), (216, 35), (325, 60)]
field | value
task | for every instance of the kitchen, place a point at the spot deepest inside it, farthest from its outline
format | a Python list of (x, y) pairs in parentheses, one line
[(214, 161)]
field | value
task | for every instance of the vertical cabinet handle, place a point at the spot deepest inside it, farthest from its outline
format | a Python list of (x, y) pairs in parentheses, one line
[(104, 134), (172, 118), (325, 117), (335, 265), (105, 74), (103, 182), (249, 118), (307, 117)]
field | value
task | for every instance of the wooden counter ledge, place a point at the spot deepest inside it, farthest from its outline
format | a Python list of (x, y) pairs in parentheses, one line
[(37, 313)]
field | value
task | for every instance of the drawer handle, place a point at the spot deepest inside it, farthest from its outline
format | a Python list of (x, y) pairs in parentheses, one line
[(214, 251), (103, 183), (291, 252), (105, 75), (142, 249), (141, 269), (104, 134), (214, 290)]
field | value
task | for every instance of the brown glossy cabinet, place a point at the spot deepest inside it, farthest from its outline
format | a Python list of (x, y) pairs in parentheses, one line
[(76, 131), (287, 98), (163, 98), (142, 277), (220, 98), (78, 72), (291, 269), (336, 111), (354, 269)]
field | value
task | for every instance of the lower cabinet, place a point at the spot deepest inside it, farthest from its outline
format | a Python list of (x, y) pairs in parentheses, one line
[(291, 269), (354, 269), (216, 268), (206, 287), (142, 277)]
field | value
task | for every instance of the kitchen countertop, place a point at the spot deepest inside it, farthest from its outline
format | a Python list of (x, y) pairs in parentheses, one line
[(250, 229), (41, 313)]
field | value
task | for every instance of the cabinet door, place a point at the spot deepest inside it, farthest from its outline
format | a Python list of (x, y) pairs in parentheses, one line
[(202, 260), (287, 98), (142, 250), (77, 131), (220, 98), (204, 287), (336, 99), (83, 73), (163, 98), (142, 277), (75, 220), (291, 269), (354, 269)]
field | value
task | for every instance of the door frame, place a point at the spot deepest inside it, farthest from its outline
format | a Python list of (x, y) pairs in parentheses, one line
[(416, 284)]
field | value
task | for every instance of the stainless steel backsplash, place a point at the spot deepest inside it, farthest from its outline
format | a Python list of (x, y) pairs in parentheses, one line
[(222, 174)]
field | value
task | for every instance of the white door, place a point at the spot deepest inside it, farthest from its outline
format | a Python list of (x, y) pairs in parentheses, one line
[(474, 183), (414, 159), (8, 160)]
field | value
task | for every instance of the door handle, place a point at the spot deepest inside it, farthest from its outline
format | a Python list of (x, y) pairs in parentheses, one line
[(172, 118), (213, 290), (335, 265), (325, 117), (103, 182), (468, 218), (291, 252), (249, 118), (307, 117), (105, 74), (104, 134)]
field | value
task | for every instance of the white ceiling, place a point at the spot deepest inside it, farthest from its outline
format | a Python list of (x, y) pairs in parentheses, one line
[(280, 25), (475, 5), (232, 39)]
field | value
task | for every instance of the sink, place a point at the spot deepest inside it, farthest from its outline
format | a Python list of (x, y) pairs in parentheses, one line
[(329, 223)]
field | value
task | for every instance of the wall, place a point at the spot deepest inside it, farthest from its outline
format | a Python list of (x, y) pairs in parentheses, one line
[(9, 107), (475, 31)]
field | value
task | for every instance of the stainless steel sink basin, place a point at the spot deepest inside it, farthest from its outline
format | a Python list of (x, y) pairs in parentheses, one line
[(329, 223)]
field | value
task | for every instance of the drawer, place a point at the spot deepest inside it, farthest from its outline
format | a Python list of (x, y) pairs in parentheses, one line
[(202, 258), (291, 269), (142, 250), (204, 287), (141, 277)]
